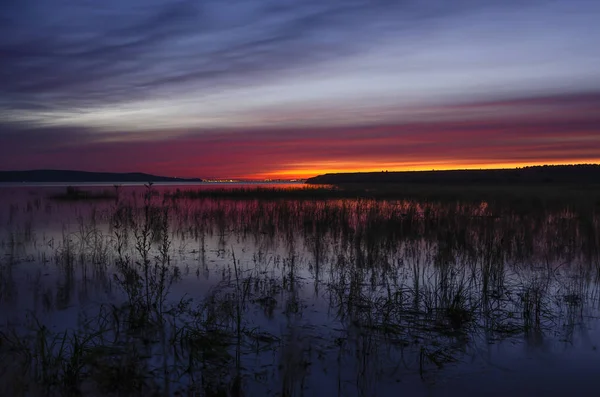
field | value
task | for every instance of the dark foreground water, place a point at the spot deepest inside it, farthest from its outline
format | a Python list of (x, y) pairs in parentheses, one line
[(155, 294)]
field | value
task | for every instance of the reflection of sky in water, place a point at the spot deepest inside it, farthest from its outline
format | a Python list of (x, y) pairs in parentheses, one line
[(554, 361)]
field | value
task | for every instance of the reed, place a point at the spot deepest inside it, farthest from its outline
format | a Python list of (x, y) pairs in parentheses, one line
[(295, 290)]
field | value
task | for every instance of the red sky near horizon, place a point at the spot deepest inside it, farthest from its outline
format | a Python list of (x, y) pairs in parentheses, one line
[(263, 90), (564, 131)]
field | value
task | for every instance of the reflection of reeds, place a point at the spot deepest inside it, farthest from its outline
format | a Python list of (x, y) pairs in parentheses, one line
[(410, 286)]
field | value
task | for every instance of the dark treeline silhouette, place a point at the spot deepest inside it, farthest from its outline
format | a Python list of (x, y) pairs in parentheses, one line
[(84, 176), (547, 174)]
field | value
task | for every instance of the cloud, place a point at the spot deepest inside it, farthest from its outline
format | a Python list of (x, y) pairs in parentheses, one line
[(74, 55), (255, 86), (570, 135)]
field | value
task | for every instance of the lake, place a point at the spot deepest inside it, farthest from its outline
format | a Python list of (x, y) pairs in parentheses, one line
[(170, 290)]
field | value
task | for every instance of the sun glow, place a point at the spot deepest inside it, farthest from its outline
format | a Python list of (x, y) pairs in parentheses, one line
[(307, 170)]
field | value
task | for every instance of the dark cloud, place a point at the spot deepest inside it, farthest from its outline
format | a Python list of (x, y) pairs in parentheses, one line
[(16, 140), (69, 54)]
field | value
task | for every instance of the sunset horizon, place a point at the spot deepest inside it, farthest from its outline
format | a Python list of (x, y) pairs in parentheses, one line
[(268, 90), (300, 175), (493, 134)]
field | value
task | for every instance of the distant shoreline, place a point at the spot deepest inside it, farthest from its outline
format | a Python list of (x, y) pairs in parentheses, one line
[(137, 184), (587, 174), (68, 176)]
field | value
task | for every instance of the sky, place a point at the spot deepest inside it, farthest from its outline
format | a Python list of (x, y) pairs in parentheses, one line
[(296, 88)]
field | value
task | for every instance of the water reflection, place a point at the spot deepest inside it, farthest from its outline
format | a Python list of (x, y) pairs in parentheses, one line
[(296, 297)]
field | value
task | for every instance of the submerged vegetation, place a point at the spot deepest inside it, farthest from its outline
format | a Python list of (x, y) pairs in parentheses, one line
[(225, 293)]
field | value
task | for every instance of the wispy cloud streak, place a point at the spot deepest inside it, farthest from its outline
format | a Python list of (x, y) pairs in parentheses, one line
[(571, 136)]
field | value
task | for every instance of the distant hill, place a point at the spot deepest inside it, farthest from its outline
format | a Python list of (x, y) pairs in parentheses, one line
[(84, 176), (548, 174)]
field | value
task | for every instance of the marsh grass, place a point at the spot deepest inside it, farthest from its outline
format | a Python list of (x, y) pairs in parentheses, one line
[(406, 287), (526, 197), (77, 194)]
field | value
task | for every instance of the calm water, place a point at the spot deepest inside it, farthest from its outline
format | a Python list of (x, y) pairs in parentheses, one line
[(296, 297)]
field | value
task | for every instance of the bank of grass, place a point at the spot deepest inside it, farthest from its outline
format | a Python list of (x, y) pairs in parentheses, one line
[(526, 195), (548, 192), (72, 193)]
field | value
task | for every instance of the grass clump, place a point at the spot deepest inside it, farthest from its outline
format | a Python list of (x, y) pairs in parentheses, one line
[(73, 193)]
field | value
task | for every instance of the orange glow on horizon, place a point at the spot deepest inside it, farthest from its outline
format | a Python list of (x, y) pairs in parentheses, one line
[(308, 170)]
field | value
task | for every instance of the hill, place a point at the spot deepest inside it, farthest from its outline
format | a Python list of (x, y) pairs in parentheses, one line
[(546, 175), (84, 176)]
